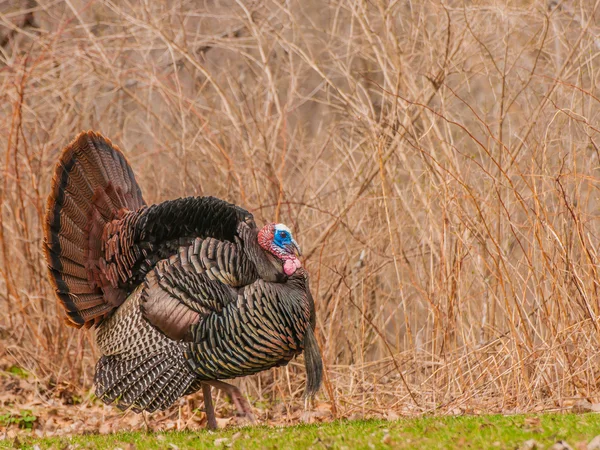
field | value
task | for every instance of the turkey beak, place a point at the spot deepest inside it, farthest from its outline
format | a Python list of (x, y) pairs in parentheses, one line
[(296, 249)]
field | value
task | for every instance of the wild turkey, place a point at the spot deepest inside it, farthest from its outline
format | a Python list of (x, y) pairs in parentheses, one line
[(182, 294)]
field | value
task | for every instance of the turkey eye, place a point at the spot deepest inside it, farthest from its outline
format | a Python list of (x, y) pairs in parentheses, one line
[(282, 234)]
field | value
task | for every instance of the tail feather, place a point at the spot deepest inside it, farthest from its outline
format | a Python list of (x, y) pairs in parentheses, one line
[(92, 184), (77, 210), (89, 314), (76, 285), (67, 266), (86, 302), (71, 251), (68, 229)]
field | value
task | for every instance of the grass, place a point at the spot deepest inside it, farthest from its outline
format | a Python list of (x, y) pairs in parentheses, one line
[(477, 432), (25, 419)]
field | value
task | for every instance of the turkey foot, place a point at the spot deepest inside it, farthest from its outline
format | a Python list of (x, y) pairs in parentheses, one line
[(209, 408), (241, 404)]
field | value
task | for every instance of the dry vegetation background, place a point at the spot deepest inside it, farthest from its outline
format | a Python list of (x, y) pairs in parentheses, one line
[(437, 160)]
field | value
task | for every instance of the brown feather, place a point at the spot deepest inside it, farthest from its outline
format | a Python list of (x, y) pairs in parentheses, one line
[(166, 312)]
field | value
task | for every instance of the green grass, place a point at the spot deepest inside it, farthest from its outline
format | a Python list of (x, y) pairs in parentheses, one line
[(476, 432), (18, 371), (24, 419)]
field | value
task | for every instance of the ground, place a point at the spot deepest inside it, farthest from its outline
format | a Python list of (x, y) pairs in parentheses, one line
[(475, 432), (437, 161), (34, 416)]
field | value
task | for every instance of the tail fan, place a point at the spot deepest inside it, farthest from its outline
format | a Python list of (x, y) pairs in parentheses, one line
[(92, 185)]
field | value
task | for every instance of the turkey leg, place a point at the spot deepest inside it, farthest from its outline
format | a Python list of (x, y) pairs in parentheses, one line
[(236, 397), (208, 407)]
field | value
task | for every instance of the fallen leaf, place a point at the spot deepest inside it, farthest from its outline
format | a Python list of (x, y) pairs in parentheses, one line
[(583, 406), (594, 444), (391, 415), (531, 444), (387, 439), (236, 436), (561, 445), (222, 422), (221, 441)]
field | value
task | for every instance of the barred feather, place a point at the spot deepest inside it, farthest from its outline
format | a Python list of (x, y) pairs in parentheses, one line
[(141, 368)]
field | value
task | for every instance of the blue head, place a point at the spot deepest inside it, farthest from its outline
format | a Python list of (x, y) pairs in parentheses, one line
[(277, 239), (282, 238)]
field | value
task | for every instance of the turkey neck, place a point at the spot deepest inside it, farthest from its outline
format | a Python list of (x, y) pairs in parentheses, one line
[(268, 267)]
